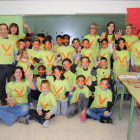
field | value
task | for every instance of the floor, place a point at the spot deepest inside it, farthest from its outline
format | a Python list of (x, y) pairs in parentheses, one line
[(62, 128)]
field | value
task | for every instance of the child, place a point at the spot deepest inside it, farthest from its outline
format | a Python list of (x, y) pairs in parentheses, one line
[(41, 37), (46, 107), (60, 89), (66, 51), (28, 44), (69, 76), (101, 72), (46, 57), (79, 100), (121, 57), (59, 40), (21, 44), (106, 51), (101, 106), (135, 55), (88, 52)]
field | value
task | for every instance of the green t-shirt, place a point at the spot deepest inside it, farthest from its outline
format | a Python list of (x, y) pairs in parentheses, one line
[(101, 98), (136, 53), (102, 73), (8, 47), (19, 91), (58, 87), (95, 44), (130, 42), (90, 53), (31, 54), (105, 53), (77, 91), (48, 57), (56, 47), (120, 64), (42, 47), (47, 102), (110, 38)]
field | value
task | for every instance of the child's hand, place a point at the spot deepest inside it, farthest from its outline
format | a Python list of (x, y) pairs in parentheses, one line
[(119, 33), (41, 62), (47, 115), (133, 68), (64, 97), (18, 57), (92, 95), (70, 94), (49, 73), (58, 59), (97, 63), (28, 75), (102, 36), (77, 60), (40, 113), (79, 49), (89, 82), (71, 88), (25, 25), (11, 105), (114, 48), (28, 63), (106, 113)]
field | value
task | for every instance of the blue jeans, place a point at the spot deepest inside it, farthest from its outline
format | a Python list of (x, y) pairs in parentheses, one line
[(130, 67), (96, 113), (29, 96), (69, 98), (10, 114)]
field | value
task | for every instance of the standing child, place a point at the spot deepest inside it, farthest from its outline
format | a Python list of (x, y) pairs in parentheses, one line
[(41, 37), (59, 41), (28, 44), (46, 107), (101, 106)]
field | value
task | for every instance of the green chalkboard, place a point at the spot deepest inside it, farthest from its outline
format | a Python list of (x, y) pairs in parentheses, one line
[(8, 19), (74, 25)]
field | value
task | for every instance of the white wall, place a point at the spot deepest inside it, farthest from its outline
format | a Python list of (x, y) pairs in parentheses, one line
[(66, 7)]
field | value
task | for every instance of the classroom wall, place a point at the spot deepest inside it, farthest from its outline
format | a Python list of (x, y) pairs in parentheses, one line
[(66, 7)]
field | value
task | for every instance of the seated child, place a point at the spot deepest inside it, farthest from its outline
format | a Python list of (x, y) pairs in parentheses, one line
[(28, 44), (46, 107), (101, 106)]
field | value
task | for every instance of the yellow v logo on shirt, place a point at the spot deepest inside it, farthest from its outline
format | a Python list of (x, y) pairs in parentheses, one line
[(65, 56), (138, 53), (129, 45), (101, 101), (56, 92), (76, 98), (102, 55), (19, 93), (88, 55), (87, 80), (105, 76), (6, 50), (44, 107), (121, 61), (50, 60)]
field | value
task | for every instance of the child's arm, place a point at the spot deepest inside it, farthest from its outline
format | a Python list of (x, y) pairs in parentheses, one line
[(109, 106), (91, 86), (27, 27), (114, 55), (31, 66), (57, 60), (38, 60), (73, 67), (94, 69), (51, 112), (66, 95), (39, 110), (132, 62), (127, 65)]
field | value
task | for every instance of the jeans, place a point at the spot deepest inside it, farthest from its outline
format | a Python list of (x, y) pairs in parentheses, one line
[(96, 113), (10, 114), (29, 97)]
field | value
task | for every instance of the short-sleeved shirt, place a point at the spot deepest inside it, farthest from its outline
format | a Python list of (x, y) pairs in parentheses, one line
[(120, 64), (77, 91), (47, 102), (101, 98), (41, 47), (8, 47), (109, 37), (18, 90)]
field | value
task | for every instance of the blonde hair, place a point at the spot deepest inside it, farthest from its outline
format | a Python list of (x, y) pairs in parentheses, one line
[(95, 25), (21, 51), (36, 40), (129, 24)]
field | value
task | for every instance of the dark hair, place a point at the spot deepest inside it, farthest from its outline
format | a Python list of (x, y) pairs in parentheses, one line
[(48, 37), (114, 31), (14, 25), (40, 35), (13, 77), (103, 58), (104, 40), (85, 57), (60, 69), (118, 48), (76, 39), (138, 31), (59, 36), (36, 40), (42, 66), (83, 41), (105, 79), (21, 40), (4, 24), (29, 40), (67, 59), (80, 76), (66, 35)]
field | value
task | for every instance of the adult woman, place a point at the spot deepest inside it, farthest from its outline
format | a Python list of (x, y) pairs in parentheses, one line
[(17, 88)]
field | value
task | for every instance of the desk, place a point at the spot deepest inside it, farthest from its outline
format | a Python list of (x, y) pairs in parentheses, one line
[(135, 92)]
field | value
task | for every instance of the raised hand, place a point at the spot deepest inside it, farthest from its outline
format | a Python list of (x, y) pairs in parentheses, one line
[(28, 75), (41, 62), (25, 25), (114, 48), (120, 33), (89, 82), (77, 60), (71, 88), (97, 63), (79, 49), (28, 63), (18, 57)]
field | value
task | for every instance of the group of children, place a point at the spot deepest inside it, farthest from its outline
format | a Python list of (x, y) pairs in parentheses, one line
[(75, 78)]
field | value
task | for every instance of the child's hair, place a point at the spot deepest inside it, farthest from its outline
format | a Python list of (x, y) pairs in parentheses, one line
[(42, 66), (60, 69), (118, 48), (114, 31), (85, 39), (13, 25), (20, 51), (85, 57), (67, 59), (27, 39), (66, 35), (138, 31), (36, 40), (105, 39), (76, 39), (45, 82), (59, 36), (21, 40), (48, 37), (103, 58), (95, 25), (129, 24), (105, 79), (40, 35), (80, 76)]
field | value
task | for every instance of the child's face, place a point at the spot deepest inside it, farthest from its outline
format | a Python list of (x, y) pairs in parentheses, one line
[(36, 45), (13, 29), (110, 28), (28, 43), (21, 45), (85, 63), (80, 82), (47, 45), (104, 85), (25, 55), (59, 41), (76, 44), (66, 65), (104, 44), (93, 30), (45, 88), (121, 44), (41, 71), (128, 30), (41, 39), (57, 74), (138, 35), (86, 44), (18, 74), (103, 64), (66, 39)]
